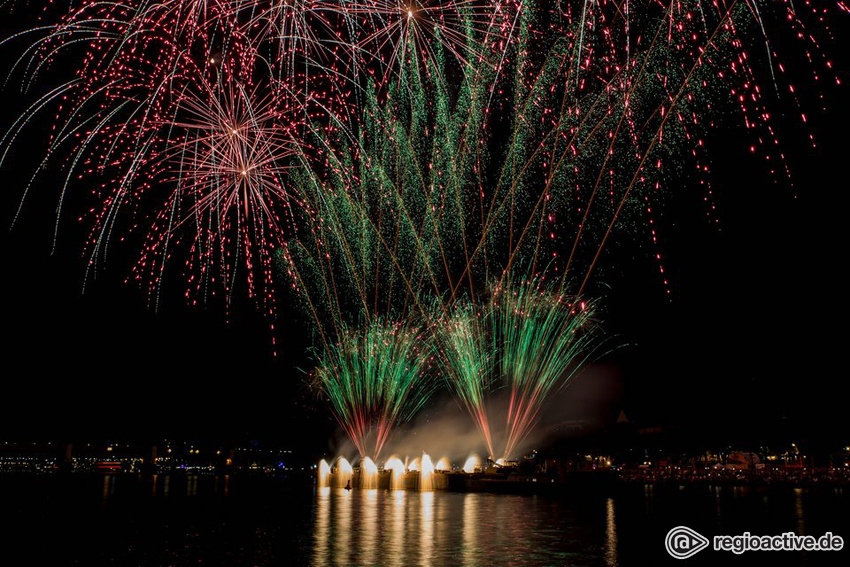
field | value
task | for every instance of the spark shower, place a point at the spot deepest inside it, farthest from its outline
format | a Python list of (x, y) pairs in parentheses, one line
[(433, 182)]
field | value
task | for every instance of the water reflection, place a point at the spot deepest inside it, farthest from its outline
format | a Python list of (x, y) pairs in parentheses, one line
[(798, 511), (426, 528), (332, 526), (322, 528), (401, 528), (192, 485), (108, 489), (369, 526), (394, 527), (395, 539), (470, 528), (610, 534), (343, 525)]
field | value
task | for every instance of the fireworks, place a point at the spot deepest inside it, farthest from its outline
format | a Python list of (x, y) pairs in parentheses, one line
[(395, 161), (226, 170), (419, 473), (368, 473), (375, 379), (472, 463), (423, 30), (527, 339), (516, 132), (396, 468), (426, 473), (544, 340), (470, 365), (324, 473)]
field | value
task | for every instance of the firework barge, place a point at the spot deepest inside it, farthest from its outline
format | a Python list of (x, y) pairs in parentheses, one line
[(422, 473)]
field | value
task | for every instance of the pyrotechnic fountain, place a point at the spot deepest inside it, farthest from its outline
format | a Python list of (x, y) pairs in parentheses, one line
[(324, 473), (426, 473), (419, 474), (368, 474), (472, 463), (396, 470), (344, 473)]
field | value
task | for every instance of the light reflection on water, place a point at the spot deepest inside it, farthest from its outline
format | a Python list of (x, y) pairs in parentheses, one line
[(610, 533), (470, 529), (371, 527), (187, 520), (397, 501), (798, 511)]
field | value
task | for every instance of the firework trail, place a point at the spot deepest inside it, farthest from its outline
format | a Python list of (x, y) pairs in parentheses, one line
[(391, 156), (526, 339), (544, 340), (375, 379), (552, 118), (147, 121), (469, 359), (137, 70), (425, 29), (432, 194), (227, 169)]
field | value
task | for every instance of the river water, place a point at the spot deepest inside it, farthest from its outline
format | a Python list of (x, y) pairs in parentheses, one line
[(255, 521)]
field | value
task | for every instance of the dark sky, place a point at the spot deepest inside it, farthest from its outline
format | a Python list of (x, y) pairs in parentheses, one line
[(750, 342)]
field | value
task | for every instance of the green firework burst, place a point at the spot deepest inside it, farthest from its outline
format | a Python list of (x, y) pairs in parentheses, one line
[(375, 378)]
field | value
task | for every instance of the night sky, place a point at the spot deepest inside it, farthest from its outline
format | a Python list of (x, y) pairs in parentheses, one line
[(748, 345)]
